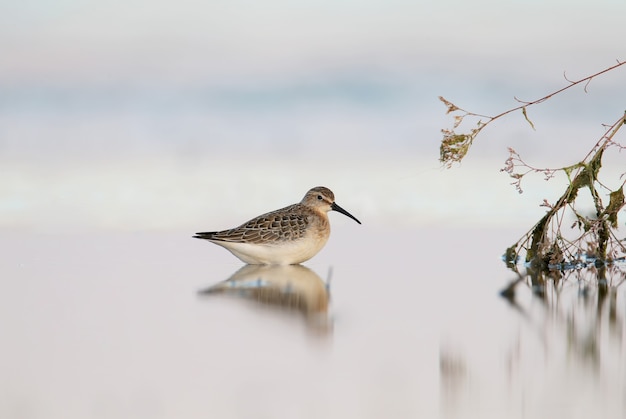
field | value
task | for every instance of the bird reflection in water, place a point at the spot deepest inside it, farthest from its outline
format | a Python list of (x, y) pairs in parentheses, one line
[(291, 288)]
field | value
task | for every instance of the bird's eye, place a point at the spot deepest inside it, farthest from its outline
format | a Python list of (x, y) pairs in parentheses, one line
[(319, 197)]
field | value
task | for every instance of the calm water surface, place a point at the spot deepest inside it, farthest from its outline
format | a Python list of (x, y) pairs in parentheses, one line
[(382, 323)]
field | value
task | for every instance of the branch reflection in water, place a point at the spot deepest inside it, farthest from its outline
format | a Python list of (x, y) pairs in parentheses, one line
[(290, 288), (568, 344), (583, 303)]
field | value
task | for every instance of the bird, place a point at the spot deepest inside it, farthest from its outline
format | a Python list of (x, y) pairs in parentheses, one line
[(286, 236)]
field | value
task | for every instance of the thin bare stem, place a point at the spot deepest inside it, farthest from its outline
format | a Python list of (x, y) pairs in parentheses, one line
[(572, 84), (454, 147)]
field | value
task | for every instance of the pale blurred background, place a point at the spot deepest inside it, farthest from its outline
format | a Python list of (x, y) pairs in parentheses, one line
[(157, 115), (127, 126)]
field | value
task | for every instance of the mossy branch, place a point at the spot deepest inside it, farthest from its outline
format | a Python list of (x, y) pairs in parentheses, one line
[(544, 244), (547, 245)]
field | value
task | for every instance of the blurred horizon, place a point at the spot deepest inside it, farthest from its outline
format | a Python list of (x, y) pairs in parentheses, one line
[(138, 115)]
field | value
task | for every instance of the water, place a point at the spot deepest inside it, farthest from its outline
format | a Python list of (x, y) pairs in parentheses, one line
[(112, 325)]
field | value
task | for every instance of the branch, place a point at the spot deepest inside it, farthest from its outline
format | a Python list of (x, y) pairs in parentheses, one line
[(454, 147)]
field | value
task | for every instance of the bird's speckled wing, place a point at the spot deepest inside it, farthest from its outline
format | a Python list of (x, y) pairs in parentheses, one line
[(286, 224)]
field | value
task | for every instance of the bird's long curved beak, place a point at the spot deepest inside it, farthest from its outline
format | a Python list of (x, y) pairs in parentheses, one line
[(337, 208)]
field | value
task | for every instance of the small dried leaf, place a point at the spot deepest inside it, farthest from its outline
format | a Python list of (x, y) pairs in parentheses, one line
[(451, 106), (616, 203), (457, 120), (526, 116)]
